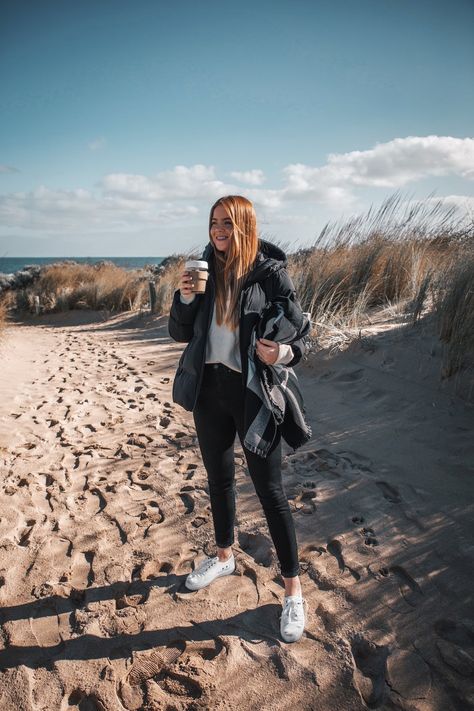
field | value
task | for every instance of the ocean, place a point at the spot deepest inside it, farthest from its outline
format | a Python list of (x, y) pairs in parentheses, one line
[(9, 265)]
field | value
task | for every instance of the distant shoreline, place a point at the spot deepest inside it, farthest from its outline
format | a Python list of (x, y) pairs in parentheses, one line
[(10, 265)]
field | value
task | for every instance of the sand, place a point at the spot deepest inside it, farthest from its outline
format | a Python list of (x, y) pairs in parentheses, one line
[(104, 510)]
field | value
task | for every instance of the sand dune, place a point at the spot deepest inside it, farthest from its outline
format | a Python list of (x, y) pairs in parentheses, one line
[(104, 510)]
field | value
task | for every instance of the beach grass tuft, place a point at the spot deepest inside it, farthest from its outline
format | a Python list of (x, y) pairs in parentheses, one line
[(3, 316), (62, 287), (414, 258)]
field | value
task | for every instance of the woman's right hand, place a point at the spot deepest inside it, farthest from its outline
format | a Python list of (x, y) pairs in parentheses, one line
[(185, 285)]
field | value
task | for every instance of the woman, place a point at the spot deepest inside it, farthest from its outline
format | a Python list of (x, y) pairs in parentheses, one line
[(213, 381)]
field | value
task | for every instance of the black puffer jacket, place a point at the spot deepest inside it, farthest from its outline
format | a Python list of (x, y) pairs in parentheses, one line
[(189, 323)]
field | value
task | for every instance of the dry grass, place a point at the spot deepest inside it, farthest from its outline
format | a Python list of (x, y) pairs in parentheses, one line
[(3, 317), (167, 284), (82, 286), (414, 261), (378, 259), (66, 286), (454, 307), (410, 258)]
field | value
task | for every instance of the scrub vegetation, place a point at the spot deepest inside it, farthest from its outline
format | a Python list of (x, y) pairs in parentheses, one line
[(411, 261), (415, 262)]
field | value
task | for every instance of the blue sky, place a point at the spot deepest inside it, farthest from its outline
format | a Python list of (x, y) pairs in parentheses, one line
[(121, 122)]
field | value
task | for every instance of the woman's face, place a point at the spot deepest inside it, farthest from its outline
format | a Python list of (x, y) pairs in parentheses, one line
[(221, 229)]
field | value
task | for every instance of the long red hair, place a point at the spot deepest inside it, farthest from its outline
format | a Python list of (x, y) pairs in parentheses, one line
[(231, 268)]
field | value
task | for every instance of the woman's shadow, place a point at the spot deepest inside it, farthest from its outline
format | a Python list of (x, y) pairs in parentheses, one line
[(252, 625)]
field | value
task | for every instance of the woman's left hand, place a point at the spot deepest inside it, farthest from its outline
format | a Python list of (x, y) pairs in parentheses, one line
[(267, 351)]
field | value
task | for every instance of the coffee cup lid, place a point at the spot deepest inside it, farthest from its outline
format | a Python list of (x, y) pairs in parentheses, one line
[(195, 264)]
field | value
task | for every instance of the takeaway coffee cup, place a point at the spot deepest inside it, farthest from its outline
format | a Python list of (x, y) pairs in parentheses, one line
[(198, 271)]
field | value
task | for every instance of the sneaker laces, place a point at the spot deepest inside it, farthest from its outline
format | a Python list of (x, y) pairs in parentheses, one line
[(294, 610), (205, 566), (208, 564)]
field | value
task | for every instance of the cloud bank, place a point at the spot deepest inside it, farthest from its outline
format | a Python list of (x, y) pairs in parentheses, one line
[(128, 202)]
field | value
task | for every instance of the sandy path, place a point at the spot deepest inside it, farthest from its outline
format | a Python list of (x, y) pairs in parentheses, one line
[(104, 507)]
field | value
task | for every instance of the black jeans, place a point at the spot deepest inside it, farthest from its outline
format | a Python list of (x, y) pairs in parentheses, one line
[(218, 415)]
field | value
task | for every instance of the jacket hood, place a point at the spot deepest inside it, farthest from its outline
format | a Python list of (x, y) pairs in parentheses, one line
[(270, 258)]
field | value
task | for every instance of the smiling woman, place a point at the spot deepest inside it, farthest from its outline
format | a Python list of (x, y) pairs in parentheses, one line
[(233, 233), (221, 228), (222, 376)]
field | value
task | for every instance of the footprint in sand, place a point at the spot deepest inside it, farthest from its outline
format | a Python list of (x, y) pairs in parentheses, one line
[(147, 665), (179, 685), (45, 625), (82, 572), (187, 501), (349, 376), (408, 675), (326, 462), (154, 512), (334, 547), (258, 546), (369, 536), (85, 702), (59, 549), (163, 682), (455, 645), (410, 590), (304, 501), (198, 521), (370, 666), (131, 596), (24, 539), (354, 459), (152, 396), (278, 660), (389, 492), (121, 531)]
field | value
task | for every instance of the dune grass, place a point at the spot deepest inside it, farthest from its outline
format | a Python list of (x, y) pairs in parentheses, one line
[(379, 259), (416, 258), (83, 286), (454, 308), (103, 286)]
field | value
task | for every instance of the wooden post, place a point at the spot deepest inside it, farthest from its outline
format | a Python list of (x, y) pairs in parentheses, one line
[(152, 288), (37, 305)]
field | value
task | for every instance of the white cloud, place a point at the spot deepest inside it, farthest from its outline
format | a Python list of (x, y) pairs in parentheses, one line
[(196, 182), (250, 177), (97, 144), (127, 201), (79, 211), (388, 165)]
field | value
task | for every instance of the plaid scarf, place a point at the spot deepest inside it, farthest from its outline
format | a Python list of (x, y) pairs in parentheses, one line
[(273, 398)]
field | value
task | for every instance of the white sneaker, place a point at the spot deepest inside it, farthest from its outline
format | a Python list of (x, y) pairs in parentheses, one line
[(209, 570), (292, 620)]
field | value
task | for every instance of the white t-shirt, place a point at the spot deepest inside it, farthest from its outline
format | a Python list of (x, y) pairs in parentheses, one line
[(223, 344)]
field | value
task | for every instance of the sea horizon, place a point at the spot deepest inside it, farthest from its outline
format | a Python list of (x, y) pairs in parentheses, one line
[(10, 265)]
